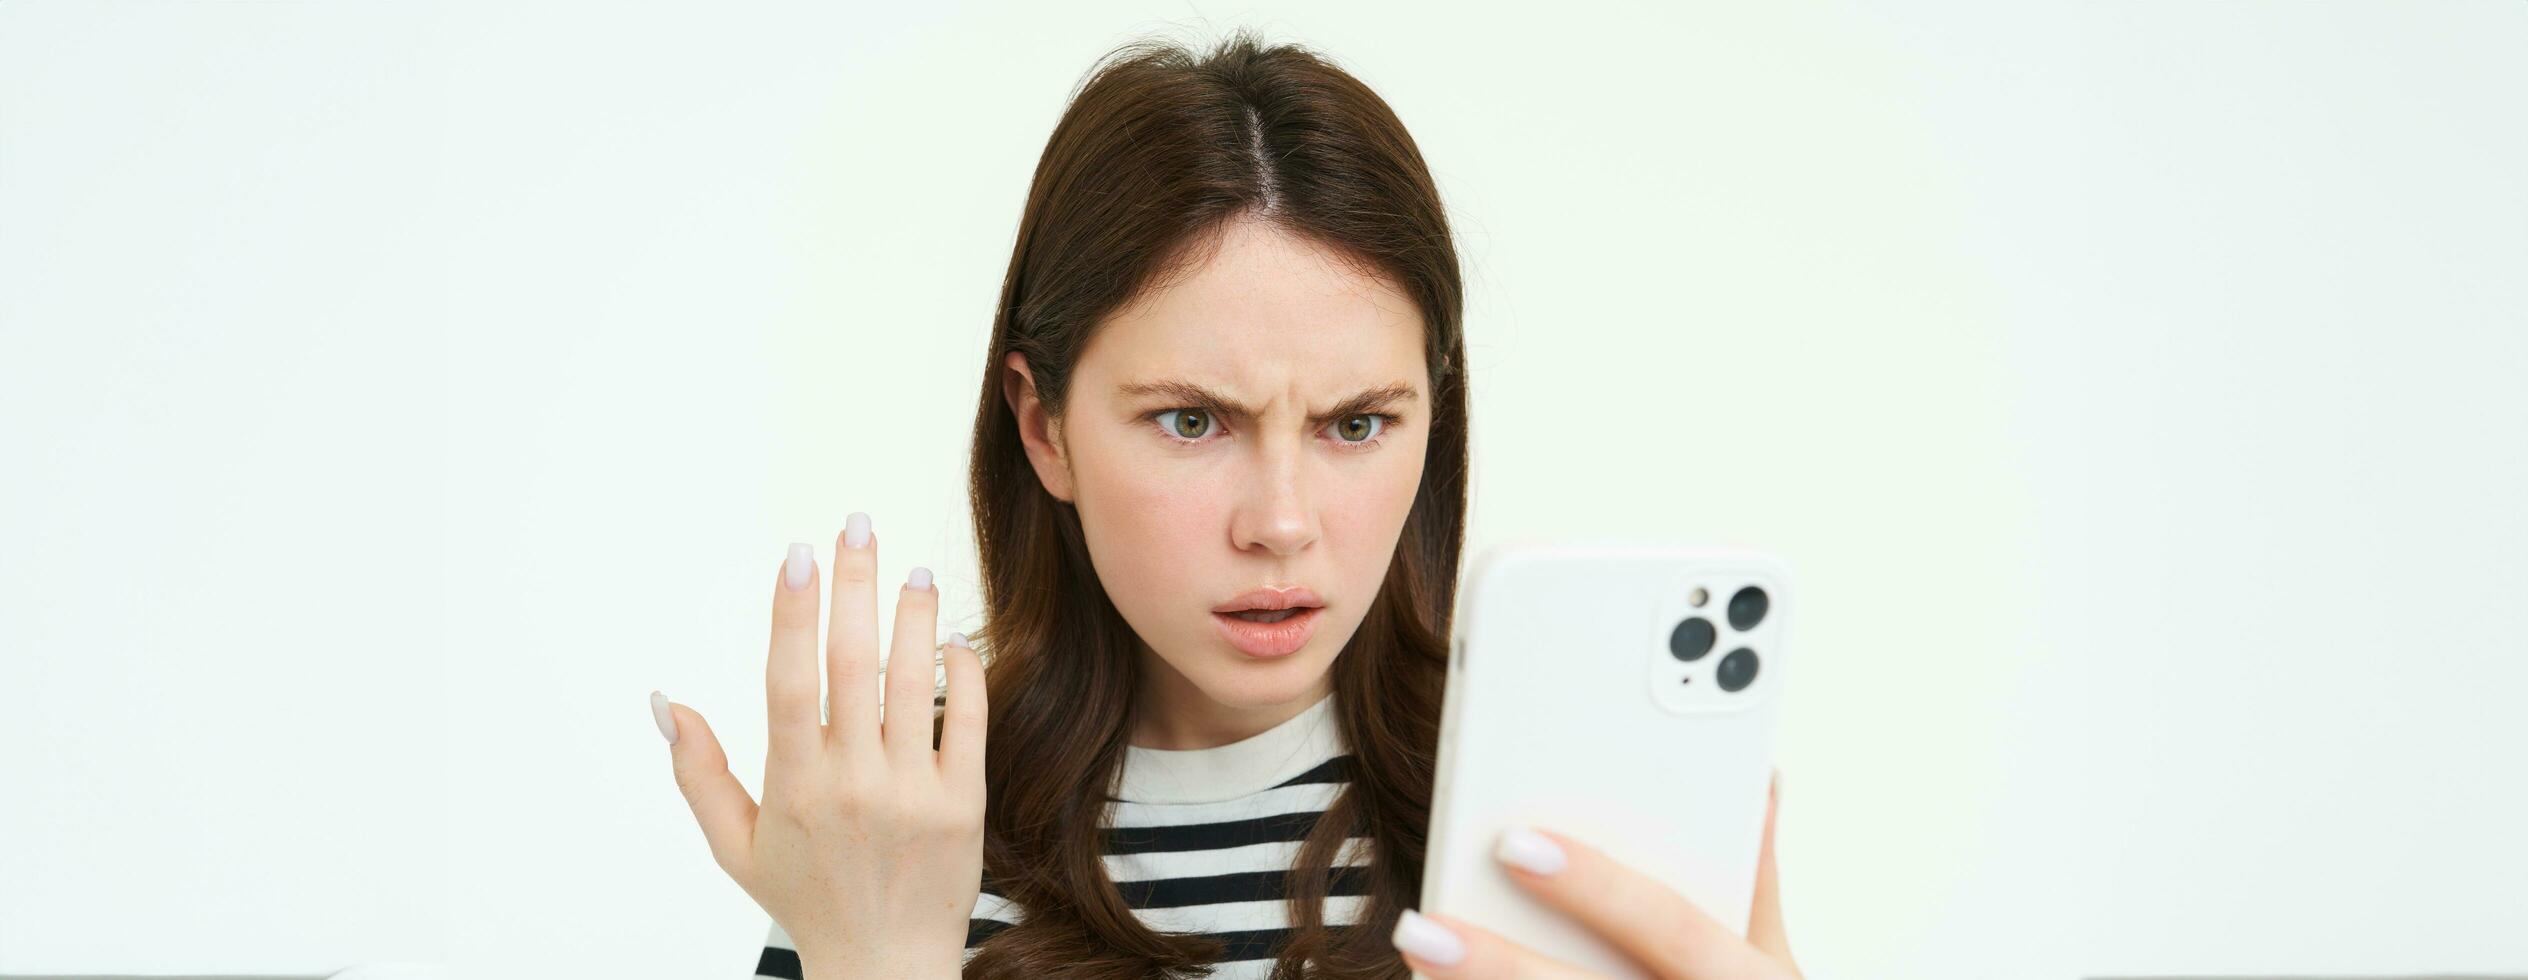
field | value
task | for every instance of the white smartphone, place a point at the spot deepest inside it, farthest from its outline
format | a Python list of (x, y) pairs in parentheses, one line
[(1620, 692)]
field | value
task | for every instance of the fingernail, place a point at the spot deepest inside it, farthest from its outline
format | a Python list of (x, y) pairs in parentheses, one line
[(856, 530), (920, 579), (957, 640), (1527, 849), (802, 563), (666, 718), (1427, 940)]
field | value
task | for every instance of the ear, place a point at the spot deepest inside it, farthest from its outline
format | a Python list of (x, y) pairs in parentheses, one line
[(1041, 434)]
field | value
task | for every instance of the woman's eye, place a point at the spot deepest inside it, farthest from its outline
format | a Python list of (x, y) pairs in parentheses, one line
[(1182, 428), (1192, 424), (1345, 429)]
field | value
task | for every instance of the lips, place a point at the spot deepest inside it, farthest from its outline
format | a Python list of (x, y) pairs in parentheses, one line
[(1280, 638), (1268, 599), (1269, 622)]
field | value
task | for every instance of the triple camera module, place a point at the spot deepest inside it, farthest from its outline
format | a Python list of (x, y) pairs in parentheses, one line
[(1695, 637)]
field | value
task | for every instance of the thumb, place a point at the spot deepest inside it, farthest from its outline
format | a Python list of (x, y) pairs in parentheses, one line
[(718, 800)]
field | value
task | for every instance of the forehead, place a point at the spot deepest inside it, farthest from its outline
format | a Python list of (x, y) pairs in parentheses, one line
[(1263, 307)]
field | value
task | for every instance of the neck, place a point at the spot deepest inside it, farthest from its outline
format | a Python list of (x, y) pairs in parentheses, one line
[(1171, 713)]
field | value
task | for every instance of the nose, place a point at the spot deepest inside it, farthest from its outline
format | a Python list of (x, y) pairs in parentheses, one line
[(1275, 511)]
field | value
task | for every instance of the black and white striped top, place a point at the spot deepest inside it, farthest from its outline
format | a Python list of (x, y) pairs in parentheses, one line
[(1202, 841)]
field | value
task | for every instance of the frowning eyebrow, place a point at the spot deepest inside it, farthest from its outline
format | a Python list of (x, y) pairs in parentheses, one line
[(1189, 393)]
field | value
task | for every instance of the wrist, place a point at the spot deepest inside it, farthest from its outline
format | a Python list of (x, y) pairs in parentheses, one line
[(823, 964)]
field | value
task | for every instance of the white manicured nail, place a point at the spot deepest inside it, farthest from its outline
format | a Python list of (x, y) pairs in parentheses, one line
[(666, 718), (802, 563), (856, 530), (920, 579), (1530, 850), (957, 640), (1427, 939)]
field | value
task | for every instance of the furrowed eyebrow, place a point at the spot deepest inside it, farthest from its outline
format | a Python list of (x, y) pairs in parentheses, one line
[(1187, 392)]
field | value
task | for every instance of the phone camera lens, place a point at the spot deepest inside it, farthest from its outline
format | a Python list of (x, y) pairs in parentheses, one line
[(1746, 609), (1692, 639), (1737, 670)]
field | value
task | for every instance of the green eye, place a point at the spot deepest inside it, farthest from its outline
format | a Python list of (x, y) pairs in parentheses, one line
[(1345, 428), (1182, 429)]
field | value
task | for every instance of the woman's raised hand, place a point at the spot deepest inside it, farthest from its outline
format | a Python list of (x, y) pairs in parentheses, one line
[(868, 848)]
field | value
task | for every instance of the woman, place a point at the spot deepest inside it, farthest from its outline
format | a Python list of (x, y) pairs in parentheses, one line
[(1218, 485)]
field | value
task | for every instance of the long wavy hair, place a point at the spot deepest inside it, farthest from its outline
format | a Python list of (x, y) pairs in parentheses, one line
[(1158, 148)]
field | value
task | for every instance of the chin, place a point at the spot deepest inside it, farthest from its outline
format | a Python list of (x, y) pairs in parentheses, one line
[(1243, 682)]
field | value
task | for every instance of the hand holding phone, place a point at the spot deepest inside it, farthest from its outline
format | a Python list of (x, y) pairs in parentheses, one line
[(1619, 697)]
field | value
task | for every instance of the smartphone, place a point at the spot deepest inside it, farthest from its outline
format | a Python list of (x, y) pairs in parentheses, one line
[(1619, 692)]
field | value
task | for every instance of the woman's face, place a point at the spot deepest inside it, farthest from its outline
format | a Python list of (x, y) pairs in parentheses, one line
[(1215, 442)]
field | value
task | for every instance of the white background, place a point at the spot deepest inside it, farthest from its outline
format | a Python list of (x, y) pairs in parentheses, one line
[(392, 395)]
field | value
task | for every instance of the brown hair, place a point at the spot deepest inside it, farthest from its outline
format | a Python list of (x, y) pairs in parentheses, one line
[(1157, 150)]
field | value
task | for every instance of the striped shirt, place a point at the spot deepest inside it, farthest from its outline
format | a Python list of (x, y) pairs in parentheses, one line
[(1202, 841)]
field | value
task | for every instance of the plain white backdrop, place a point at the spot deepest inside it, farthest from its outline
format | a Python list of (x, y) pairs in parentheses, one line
[(392, 395)]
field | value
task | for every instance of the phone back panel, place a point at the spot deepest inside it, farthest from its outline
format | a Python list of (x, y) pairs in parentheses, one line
[(1569, 708)]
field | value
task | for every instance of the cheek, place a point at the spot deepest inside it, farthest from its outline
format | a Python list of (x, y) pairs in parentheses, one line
[(1148, 525), (1363, 519)]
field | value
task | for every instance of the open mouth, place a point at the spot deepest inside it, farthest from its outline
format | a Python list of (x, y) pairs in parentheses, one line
[(1277, 633)]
